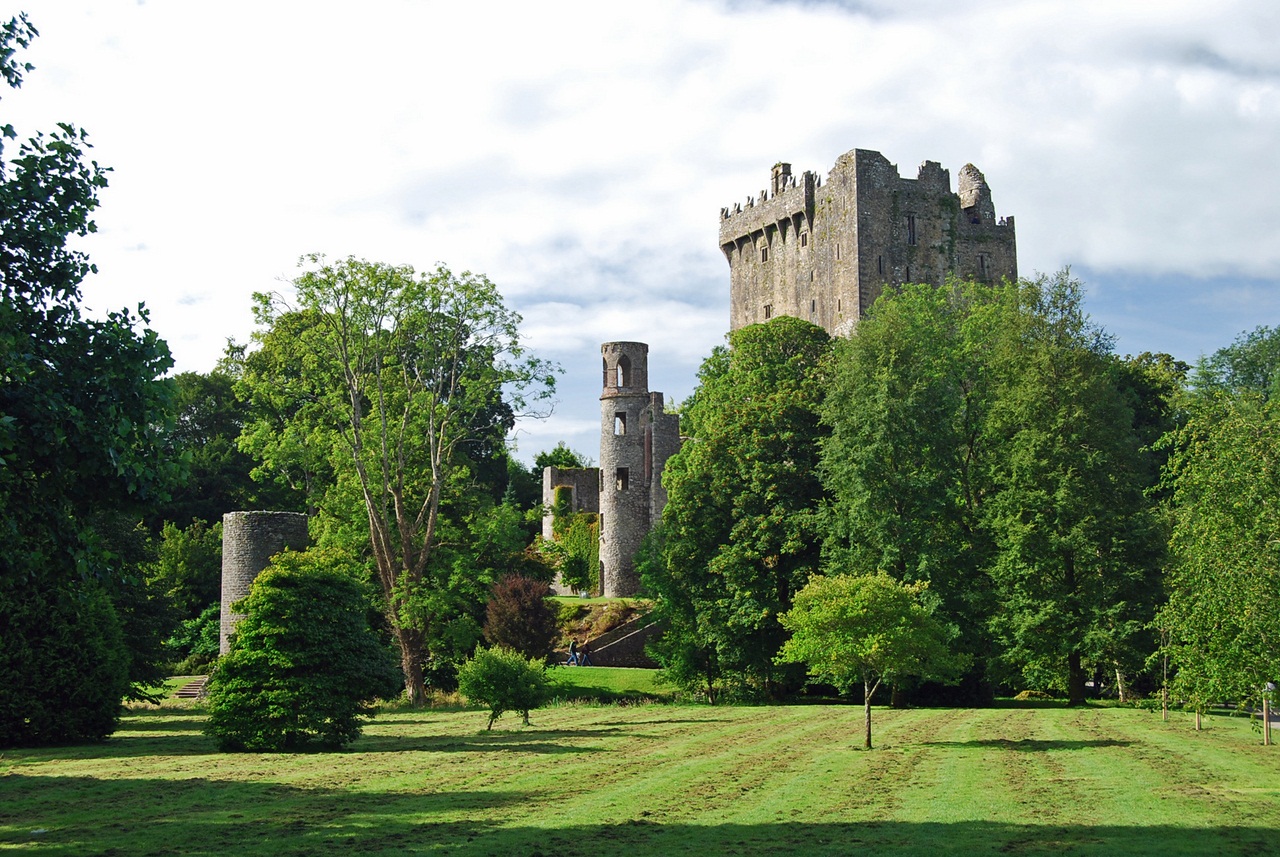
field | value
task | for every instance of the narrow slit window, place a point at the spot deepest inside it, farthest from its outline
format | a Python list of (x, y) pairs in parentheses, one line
[(623, 477), (768, 311), (804, 239), (837, 252), (911, 229), (982, 266), (620, 423), (764, 254), (880, 264)]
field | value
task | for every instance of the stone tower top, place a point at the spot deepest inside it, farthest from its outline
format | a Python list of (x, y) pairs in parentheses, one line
[(626, 369)]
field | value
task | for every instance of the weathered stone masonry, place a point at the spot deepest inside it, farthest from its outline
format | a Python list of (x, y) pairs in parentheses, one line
[(637, 436), (823, 251), (249, 540)]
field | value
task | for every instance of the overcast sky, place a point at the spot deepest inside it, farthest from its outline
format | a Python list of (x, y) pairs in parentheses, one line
[(579, 153)]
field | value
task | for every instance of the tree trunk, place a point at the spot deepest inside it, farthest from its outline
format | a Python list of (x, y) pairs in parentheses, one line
[(411, 665), (1120, 688), (1197, 719), (1075, 679), (1266, 720), (897, 698), (867, 691)]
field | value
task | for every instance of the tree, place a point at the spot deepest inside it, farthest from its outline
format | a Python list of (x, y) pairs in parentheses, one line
[(1251, 364), (866, 629), (82, 415), (415, 379), (303, 663), (1224, 579), (1078, 545), (517, 617), (740, 524), (908, 461), (504, 680)]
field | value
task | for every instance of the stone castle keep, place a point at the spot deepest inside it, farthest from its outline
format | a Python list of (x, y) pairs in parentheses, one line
[(823, 251)]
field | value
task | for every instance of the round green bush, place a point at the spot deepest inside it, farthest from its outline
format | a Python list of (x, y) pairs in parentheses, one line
[(504, 680), (303, 665)]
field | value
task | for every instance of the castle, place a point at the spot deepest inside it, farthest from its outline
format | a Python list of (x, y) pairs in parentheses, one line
[(823, 251)]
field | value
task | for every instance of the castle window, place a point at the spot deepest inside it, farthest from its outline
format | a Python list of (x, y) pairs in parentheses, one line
[(764, 254), (768, 311), (880, 264), (911, 229), (624, 371), (983, 270), (623, 477), (839, 305), (813, 306), (620, 423), (837, 252), (804, 239)]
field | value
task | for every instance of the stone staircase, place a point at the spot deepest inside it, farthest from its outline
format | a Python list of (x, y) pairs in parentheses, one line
[(193, 689)]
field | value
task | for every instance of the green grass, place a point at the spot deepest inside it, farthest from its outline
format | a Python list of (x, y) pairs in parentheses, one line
[(610, 684), (663, 780)]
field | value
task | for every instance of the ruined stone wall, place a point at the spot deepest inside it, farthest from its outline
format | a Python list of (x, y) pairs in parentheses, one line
[(624, 494), (249, 540), (824, 251), (584, 482)]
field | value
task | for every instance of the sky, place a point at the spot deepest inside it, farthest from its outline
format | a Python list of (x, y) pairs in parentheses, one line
[(579, 153)]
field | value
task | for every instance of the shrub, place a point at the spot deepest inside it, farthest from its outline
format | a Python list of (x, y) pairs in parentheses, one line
[(63, 663), (196, 641), (504, 680), (303, 663), (518, 616)]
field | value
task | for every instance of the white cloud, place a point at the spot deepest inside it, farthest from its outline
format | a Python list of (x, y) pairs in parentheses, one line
[(579, 154)]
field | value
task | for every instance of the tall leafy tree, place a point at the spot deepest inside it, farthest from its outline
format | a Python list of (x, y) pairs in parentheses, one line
[(1224, 581), (82, 415), (740, 533), (1079, 548), (410, 382), (908, 461)]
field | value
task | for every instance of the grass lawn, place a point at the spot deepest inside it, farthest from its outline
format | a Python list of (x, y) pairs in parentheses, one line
[(609, 684), (663, 780)]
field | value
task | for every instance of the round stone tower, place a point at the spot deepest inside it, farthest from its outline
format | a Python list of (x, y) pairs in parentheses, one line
[(249, 540), (625, 464)]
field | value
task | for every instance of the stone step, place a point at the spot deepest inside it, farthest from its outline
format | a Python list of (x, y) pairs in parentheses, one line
[(193, 689)]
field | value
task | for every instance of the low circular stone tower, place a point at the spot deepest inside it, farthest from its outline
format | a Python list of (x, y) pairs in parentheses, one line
[(249, 540), (625, 464)]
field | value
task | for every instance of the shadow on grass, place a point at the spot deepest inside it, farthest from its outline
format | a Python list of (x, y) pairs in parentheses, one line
[(530, 739), (210, 818), (1033, 745)]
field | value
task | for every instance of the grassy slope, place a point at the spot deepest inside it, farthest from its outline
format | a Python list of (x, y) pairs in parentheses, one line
[(663, 780), (609, 683)]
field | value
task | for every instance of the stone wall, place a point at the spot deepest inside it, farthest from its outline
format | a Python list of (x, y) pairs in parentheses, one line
[(249, 540)]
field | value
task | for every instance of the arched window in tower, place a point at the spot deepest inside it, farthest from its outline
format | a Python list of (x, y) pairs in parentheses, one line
[(623, 478), (624, 371)]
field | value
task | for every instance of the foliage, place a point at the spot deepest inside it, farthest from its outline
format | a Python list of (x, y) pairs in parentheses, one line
[(562, 456), (303, 663), (82, 415), (405, 386), (63, 664), (867, 629), (188, 566), (740, 529), (504, 680), (985, 439), (1251, 364), (518, 617), (1224, 582), (1078, 546), (197, 641)]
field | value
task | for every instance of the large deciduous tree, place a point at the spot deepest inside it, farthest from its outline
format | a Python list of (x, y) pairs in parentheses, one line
[(740, 536), (1223, 616), (82, 413), (409, 381)]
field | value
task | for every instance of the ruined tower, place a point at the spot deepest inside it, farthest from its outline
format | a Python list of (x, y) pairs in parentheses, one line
[(249, 540), (823, 251), (637, 436)]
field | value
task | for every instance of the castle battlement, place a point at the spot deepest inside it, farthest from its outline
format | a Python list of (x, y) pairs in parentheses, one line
[(825, 251)]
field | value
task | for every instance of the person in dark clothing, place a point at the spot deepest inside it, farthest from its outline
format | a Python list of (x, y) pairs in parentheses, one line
[(584, 654)]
